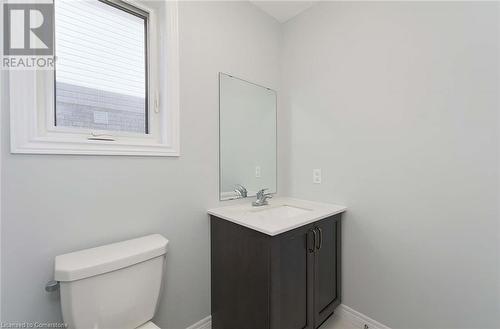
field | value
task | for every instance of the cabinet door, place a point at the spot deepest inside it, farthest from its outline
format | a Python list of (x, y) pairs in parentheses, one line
[(240, 276), (292, 265), (326, 269)]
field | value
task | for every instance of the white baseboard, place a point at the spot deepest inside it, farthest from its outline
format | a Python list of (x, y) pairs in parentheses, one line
[(358, 320), (206, 323)]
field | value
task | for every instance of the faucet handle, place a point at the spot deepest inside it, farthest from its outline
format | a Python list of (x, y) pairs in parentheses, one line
[(261, 192), (261, 195)]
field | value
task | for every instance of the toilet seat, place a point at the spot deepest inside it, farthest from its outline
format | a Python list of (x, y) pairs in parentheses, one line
[(148, 325)]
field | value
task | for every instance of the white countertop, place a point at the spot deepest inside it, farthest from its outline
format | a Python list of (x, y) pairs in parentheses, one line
[(281, 215)]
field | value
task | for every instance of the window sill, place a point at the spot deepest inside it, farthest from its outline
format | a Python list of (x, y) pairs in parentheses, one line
[(54, 146)]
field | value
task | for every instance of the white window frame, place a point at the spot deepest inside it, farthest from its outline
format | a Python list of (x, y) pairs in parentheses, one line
[(32, 103)]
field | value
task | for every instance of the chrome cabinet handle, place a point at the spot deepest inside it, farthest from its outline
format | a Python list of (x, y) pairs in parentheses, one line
[(314, 241), (320, 231)]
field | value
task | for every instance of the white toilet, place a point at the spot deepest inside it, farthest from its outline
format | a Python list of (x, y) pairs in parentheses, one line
[(116, 286)]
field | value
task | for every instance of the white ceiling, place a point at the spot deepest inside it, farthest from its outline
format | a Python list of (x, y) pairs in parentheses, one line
[(283, 10)]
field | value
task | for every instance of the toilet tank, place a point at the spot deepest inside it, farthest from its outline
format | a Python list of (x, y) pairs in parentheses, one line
[(115, 286)]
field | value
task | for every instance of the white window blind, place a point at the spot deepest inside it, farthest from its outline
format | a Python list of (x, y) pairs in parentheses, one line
[(101, 75)]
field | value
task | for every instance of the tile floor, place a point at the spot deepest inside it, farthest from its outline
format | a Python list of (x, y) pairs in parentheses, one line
[(336, 323)]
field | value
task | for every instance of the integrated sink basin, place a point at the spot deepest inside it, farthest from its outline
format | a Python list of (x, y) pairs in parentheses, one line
[(278, 212), (281, 215)]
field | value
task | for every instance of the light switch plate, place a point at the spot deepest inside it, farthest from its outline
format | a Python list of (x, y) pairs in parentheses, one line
[(317, 176), (257, 172)]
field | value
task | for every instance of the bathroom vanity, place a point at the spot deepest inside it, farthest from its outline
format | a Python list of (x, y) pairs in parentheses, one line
[(276, 266)]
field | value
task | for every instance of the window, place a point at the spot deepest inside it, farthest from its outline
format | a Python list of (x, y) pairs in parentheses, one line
[(114, 89), (106, 88)]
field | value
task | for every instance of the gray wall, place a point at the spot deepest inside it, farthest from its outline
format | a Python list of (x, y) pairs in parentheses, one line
[(398, 104), (57, 204)]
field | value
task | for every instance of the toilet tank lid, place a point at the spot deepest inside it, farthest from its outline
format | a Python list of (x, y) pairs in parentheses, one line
[(89, 262)]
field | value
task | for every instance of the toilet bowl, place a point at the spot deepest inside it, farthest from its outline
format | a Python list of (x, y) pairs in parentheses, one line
[(115, 286)]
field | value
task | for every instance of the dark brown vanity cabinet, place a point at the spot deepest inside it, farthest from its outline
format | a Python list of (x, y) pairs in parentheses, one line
[(287, 281)]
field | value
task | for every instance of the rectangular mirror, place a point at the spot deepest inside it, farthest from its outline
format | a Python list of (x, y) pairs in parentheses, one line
[(247, 121)]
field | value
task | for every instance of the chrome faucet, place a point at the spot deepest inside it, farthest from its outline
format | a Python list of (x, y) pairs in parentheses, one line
[(262, 198), (240, 190)]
